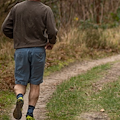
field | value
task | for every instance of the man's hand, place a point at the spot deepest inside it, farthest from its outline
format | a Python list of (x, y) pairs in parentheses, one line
[(49, 46)]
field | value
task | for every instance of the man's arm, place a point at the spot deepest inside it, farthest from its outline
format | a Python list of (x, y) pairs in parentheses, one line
[(51, 27), (7, 26)]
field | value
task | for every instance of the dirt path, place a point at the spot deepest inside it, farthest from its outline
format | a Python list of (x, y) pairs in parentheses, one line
[(50, 83)]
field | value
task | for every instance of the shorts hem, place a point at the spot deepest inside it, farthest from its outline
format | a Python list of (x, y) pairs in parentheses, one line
[(37, 83), (25, 84)]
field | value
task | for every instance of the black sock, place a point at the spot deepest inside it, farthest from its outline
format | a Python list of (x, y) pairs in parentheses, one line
[(30, 110), (19, 95)]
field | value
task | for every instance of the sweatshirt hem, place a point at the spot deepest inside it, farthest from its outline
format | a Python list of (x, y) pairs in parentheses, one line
[(31, 46)]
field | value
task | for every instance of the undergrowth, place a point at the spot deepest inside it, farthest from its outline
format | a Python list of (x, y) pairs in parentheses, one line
[(6, 99)]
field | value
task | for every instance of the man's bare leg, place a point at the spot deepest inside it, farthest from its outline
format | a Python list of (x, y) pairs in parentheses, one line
[(20, 91), (34, 94), (33, 98)]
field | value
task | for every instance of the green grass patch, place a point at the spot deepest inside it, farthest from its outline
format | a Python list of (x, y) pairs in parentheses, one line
[(109, 99), (6, 100), (58, 67), (76, 95)]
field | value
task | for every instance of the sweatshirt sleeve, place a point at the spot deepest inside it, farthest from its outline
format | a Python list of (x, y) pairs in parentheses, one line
[(7, 26), (51, 27)]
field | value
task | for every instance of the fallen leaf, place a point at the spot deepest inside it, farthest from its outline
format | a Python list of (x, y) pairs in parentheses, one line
[(102, 110)]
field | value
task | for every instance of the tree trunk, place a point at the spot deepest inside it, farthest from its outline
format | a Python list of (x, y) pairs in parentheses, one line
[(98, 9)]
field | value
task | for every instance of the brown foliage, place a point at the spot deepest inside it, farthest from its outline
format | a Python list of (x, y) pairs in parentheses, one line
[(95, 10)]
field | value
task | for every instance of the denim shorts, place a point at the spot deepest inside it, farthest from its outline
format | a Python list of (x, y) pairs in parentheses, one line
[(29, 65)]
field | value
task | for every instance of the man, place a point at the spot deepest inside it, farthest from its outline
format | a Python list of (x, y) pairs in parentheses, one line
[(31, 25)]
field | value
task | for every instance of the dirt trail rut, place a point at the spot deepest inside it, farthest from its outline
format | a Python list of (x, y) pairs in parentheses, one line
[(50, 83)]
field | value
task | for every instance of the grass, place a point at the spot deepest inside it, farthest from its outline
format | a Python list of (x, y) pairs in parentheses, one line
[(109, 99), (57, 67), (6, 100), (77, 96)]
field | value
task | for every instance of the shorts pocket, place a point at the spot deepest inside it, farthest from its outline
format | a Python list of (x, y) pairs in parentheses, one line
[(39, 56)]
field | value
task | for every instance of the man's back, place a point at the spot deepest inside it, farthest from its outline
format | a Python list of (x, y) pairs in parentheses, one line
[(30, 21)]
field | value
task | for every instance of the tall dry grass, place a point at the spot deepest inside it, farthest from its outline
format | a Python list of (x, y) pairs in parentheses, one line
[(77, 44), (72, 41), (6, 63), (6, 49), (93, 38)]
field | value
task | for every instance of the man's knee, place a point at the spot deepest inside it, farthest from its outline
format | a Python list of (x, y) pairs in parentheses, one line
[(34, 87), (34, 90)]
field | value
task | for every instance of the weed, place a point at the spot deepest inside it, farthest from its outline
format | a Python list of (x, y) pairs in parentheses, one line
[(6, 100)]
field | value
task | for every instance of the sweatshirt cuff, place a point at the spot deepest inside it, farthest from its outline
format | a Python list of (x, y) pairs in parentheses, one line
[(52, 41)]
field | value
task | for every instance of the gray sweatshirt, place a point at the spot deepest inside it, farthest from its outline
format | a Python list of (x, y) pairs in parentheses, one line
[(30, 24)]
